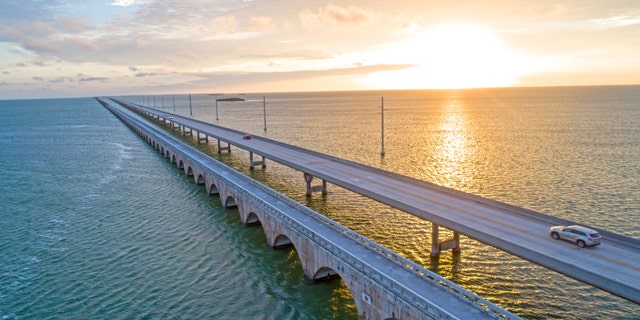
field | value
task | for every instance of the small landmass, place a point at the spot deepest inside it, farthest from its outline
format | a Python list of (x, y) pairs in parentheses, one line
[(231, 99)]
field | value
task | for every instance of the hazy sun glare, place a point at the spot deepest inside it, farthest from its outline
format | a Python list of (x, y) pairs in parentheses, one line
[(453, 56)]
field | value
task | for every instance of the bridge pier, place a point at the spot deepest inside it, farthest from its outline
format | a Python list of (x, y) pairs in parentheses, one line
[(187, 131), (437, 246), (320, 188), (221, 148), (200, 139), (253, 163)]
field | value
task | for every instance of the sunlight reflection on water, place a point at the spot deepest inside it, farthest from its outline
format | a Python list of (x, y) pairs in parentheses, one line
[(538, 148)]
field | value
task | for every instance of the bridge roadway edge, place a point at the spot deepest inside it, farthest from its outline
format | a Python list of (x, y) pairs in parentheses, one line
[(609, 236), (625, 289), (401, 295)]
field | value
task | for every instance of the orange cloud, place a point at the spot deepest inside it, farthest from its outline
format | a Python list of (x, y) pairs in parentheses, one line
[(262, 23), (334, 15)]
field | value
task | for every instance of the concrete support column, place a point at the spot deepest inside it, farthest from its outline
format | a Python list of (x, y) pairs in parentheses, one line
[(221, 148), (186, 131), (435, 239), (252, 163), (456, 240), (200, 139), (311, 189), (437, 246)]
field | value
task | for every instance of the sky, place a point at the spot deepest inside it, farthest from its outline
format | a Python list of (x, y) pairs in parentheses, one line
[(76, 48)]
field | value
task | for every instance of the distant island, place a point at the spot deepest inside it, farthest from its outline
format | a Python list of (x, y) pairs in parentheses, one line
[(231, 99)]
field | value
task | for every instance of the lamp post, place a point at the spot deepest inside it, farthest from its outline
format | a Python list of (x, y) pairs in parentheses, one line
[(382, 138), (264, 112)]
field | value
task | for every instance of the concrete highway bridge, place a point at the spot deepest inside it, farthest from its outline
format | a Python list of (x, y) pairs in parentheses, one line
[(613, 266), (384, 285)]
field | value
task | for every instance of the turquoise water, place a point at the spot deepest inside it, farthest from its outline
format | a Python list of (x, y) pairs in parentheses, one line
[(96, 224)]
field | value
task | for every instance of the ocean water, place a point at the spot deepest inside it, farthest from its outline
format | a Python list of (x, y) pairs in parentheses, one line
[(95, 224)]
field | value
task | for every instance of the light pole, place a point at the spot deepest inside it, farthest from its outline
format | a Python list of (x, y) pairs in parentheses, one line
[(264, 112), (382, 108)]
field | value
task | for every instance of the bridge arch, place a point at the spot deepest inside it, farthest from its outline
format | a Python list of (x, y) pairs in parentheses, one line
[(324, 274), (213, 189), (174, 159), (229, 202), (282, 241), (252, 219), (200, 179), (181, 164), (189, 171)]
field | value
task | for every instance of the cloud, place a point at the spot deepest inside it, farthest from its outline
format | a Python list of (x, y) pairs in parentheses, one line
[(177, 42), (68, 24), (52, 37), (89, 79), (39, 45), (262, 23), (617, 21), (349, 16), (128, 3), (145, 74), (224, 25), (60, 80), (230, 79), (337, 16)]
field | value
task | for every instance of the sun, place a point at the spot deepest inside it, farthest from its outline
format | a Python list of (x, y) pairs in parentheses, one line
[(457, 55)]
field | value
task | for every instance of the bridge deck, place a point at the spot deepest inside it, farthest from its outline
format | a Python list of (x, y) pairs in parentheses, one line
[(613, 266), (379, 262)]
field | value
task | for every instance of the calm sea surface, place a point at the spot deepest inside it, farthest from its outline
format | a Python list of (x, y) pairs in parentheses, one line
[(95, 224)]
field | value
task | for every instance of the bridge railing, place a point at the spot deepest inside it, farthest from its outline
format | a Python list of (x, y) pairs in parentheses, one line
[(530, 214), (450, 287), (429, 276)]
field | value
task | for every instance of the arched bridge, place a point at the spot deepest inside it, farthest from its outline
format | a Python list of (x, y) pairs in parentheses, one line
[(613, 266), (383, 284)]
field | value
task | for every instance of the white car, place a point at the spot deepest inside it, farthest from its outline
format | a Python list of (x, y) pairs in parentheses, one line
[(580, 235)]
